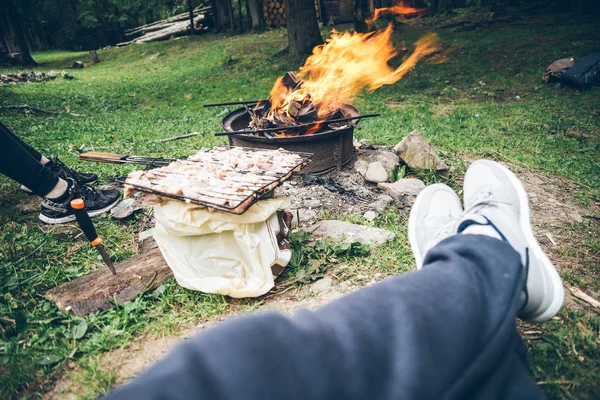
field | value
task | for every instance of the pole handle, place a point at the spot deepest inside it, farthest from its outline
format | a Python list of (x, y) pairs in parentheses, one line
[(85, 222)]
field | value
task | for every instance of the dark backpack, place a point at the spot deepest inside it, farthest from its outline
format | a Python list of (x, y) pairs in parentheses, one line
[(584, 74)]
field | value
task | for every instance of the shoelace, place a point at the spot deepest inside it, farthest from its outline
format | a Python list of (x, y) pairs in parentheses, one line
[(485, 198)]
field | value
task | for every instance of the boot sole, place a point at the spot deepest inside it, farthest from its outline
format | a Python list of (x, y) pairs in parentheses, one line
[(413, 220), (69, 218), (548, 269)]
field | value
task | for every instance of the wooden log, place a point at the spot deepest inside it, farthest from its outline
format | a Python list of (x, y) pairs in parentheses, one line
[(175, 18), (100, 289)]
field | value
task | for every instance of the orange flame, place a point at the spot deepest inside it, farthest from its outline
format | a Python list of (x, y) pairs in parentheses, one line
[(347, 63), (396, 9)]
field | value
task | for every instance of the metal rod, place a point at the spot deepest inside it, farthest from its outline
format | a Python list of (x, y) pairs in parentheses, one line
[(233, 103), (296, 127)]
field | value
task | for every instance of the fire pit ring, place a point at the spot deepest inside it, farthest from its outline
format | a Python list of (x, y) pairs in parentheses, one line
[(332, 148)]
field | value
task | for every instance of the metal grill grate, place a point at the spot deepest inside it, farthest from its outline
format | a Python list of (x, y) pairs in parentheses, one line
[(236, 203)]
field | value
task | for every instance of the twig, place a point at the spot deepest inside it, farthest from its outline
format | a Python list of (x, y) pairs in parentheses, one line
[(177, 137), (585, 297), (557, 382), (28, 107)]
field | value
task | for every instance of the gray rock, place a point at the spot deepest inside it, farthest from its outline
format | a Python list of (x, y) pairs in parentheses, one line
[(381, 203), (349, 233), (66, 75), (303, 217), (388, 159), (322, 285), (370, 215), (312, 203), (418, 154), (125, 208), (376, 173), (404, 191), (52, 74), (146, 240), (77, 65)]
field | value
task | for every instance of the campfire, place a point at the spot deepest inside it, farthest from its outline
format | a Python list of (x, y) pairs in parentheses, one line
[(333, 76)]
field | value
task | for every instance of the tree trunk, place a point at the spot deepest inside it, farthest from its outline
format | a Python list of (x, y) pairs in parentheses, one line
[(362, 11), (230, 12), (191, 10), (221, 19), (241, 17), (14, 48), (302, 27), (256, 13)]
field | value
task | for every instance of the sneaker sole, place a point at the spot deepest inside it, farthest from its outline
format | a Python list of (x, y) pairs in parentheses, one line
[(547, 267), (412, 219), (69, 218)]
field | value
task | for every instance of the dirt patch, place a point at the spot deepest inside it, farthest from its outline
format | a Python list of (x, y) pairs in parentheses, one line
[(563, 228)]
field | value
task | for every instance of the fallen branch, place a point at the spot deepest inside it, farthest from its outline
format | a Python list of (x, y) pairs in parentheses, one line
[(177, 137), (585, 297), (28, 107)]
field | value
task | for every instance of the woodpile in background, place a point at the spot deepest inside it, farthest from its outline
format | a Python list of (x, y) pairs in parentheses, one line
[(33, 76), (274, 12), (177, 25)]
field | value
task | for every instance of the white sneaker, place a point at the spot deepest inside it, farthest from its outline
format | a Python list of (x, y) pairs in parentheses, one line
[(433, 218), (496, 205)]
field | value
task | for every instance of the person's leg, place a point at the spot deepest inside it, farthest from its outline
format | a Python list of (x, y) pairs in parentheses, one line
[(21, 163), (34, 153), (446, 331)]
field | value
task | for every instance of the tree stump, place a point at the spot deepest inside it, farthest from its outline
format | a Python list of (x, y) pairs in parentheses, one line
[(94, 59)]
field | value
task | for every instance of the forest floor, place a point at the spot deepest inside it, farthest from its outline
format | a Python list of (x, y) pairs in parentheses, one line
[(481, 98)]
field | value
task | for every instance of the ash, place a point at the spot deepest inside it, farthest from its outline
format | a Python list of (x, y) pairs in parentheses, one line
[(339, 192)]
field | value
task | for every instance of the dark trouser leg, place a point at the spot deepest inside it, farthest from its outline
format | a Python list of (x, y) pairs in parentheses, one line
[(21, 162), (446, 331)]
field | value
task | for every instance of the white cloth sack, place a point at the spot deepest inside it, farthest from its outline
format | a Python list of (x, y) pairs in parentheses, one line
[(218, 252)]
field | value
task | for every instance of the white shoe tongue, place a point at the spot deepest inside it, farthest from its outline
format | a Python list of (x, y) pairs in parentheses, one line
[(485, 230)]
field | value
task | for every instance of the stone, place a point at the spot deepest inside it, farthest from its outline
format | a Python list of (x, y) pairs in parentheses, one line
[(370, 215), (77, 65), (146, 240), (388, 159), (404, 191), (52, 74), (376, 173), (322, 285), (418, 154), (126, 208), (350, 233), (312, 203), (66, 75), (381, 203), (303, 217)]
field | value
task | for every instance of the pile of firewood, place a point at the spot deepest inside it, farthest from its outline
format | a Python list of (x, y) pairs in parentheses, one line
[(37, 76), (177, 25), (274, 12)]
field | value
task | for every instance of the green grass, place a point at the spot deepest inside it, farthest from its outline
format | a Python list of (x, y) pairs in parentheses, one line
[(467, 107)]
